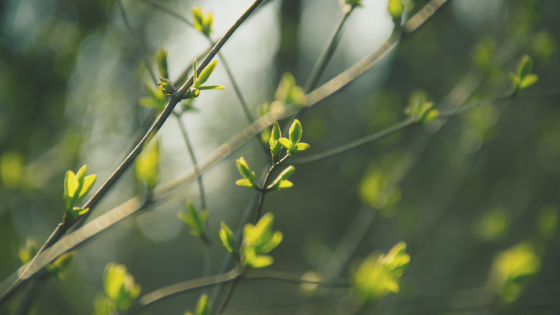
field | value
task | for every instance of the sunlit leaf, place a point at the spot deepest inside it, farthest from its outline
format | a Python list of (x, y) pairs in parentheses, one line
[(205, 74)]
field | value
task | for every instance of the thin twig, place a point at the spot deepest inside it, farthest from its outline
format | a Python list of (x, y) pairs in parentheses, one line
[(137, 42), (356, 143), (193, 159), (264, 190), (324, 58), (229, 73), (167, 292)]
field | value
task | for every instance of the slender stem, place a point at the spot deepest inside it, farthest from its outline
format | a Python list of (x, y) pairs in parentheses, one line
[(264, 189), (137, 42), (324, 58), (193, 159), (356, 143), (403, 124), (184, 287), (229, 294), (207, 236)]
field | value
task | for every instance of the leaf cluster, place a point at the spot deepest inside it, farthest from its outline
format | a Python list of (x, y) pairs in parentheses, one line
[(120, 290), (420, 109), (378, 275), (76, 187), (195, 221), (524, 78), (258, 240), (202, 22), (512, 268)]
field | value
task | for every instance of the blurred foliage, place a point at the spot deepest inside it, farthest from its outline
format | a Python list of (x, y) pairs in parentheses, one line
[(512, 268), (71, 80), (378, 274)]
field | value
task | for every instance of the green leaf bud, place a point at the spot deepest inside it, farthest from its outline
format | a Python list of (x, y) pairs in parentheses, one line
[(166, 86), (295, 132), (226, 235), (161, 58)]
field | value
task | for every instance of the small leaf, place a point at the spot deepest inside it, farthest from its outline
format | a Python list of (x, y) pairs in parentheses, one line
[(211, 87), (203, 307), (205, 74), (285, 184), (287, 82), (528, 80), (430, 115), (244, 183), (276, 133), (147, 165), (285, 143), (226, 235), (88, 184), (301, 147), (282, 177), (274, 241), (207, 22), (244, 170), (197, 16), (166, 86), (70, 187), (525, 67), (161, 57), (194, 220), (395, 8), (261, 261), (295, 132), (58, 267), (514, 80), (29, 251), (195, 74)]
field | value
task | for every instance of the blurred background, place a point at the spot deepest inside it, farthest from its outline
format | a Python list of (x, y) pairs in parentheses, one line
[(458, 193)]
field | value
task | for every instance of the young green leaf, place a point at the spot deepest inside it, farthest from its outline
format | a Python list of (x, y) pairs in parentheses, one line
[(226, 235), (301, 147), (58, 267), (76, 187), (205, 74), (525, 66), (286, 143), (147, 165), (395, 9), (244, 183), (29, 251), (195, 221), (378, 275), (528, 80), (295, 132), (211, 87), (166, 86), (281, 182), (161, 57), (157, 99), (195, 74), (119, 285), (203, 307), (202, 23), (276, 133), (245, 170)]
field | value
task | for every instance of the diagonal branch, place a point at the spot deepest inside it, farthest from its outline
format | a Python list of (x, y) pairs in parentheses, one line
[(106, 186)]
